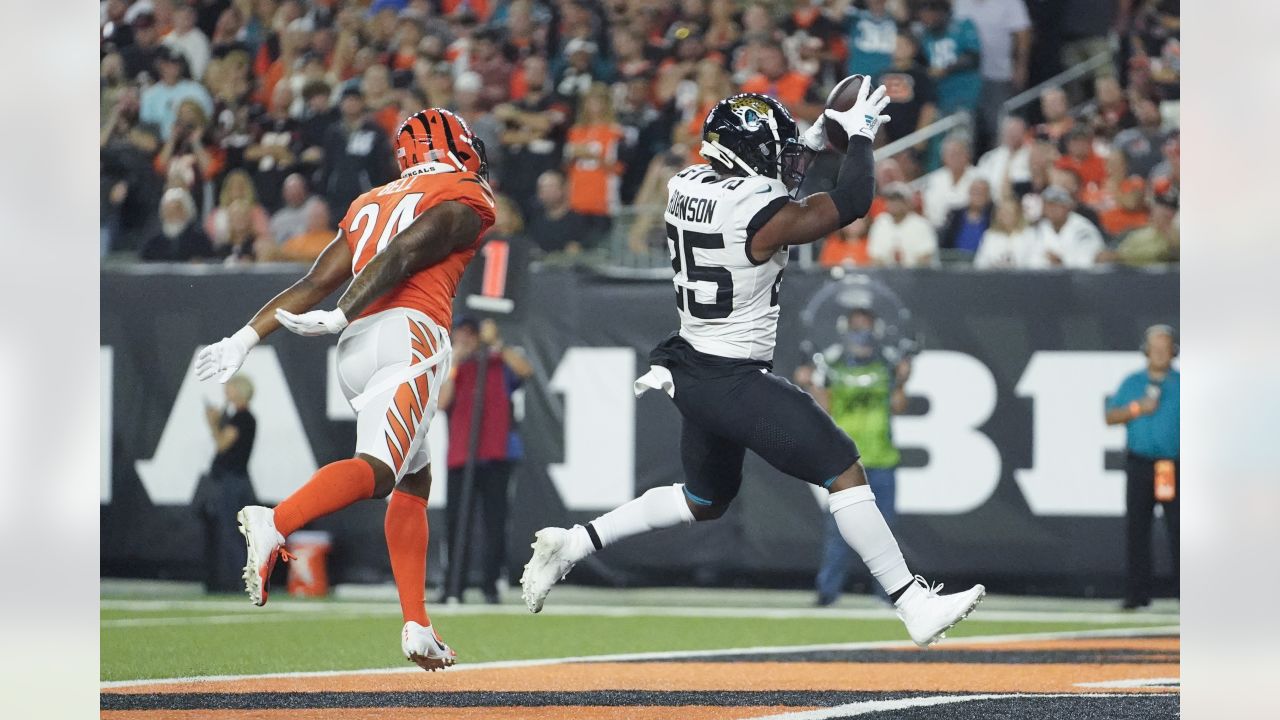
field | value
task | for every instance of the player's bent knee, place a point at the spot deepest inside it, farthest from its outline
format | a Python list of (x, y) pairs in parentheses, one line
[(416, 483), (854, 476), (384, 478)]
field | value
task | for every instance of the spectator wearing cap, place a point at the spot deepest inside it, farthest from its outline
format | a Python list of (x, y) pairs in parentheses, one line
[(160, 101), (1157, 241), (1130, 211), (1148, 403), (873, 34), (591, 158), (947, 188), (578, 72), (1004, 31), (1009, 242), (357, 153), (900, 237), (180, 238), (1008, 164), (1069, 180), (1081, 159), (795, 89), (188, 40), (145, 50), (953, 50), (911, 91), (1142, 144), (1064, 238), (553, 226), (965, 226)]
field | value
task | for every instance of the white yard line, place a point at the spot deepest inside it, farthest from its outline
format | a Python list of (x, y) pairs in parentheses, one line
[(371, 608), (867, 707), (1134, 683), (663, 655)]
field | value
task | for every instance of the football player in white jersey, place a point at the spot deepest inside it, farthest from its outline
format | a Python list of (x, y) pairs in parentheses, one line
[(729, 223)]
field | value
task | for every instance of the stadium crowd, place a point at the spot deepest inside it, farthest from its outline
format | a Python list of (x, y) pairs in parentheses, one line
[(238, 131)]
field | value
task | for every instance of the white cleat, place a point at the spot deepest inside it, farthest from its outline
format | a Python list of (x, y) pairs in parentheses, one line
[(424, 648), (265, 544), (549, 564), (928, 615)]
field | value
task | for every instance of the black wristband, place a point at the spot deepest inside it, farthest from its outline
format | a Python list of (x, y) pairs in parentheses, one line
[(856, 184)]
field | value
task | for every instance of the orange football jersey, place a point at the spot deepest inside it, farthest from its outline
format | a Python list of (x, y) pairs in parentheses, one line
[(377, 216)]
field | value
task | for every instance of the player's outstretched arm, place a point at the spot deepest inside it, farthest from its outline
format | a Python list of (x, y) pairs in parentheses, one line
[(817, 216), (221, 359)]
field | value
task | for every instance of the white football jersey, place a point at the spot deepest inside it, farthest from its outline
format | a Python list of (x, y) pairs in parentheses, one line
[(728, 303)]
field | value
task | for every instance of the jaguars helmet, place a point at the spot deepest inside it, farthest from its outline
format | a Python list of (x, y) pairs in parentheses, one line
[(753, 134)]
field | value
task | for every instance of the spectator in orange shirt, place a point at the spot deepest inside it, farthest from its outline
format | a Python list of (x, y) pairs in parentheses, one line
[(1130, 211), (591, 155), (1081, 158), (796, 90), (847, 246), (308, 245)]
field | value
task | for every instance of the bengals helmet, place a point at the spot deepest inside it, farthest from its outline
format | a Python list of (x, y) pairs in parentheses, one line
[(753, 134), (437, 135)]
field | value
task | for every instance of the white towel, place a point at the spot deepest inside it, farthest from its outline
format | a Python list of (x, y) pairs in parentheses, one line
[(658, 378)]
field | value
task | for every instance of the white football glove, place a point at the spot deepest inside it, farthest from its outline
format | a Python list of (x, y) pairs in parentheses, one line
[(815, 138), (222, 359), (316, 322), (864, 117)]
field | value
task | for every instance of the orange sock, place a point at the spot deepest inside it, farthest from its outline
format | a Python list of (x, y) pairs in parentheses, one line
[(332, 488), (407, 535)]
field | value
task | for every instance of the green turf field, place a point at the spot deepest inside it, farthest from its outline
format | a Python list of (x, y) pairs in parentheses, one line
[(182, 637)]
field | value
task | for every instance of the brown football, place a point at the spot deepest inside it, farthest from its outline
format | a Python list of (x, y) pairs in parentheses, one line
[(842, 97)]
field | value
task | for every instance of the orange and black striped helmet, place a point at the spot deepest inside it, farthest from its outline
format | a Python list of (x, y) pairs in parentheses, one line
[(437, 135)]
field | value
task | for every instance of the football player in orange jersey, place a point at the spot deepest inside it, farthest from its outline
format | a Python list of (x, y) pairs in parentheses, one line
[(406, 244)]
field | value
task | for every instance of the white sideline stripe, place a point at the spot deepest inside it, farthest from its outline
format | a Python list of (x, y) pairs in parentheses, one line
[(866, 707), (660, 655), (1138, 683), (230, 619), (370, 608)]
